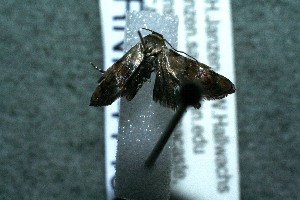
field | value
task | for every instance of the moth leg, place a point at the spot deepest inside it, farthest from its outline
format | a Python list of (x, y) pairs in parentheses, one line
[(97, 68)]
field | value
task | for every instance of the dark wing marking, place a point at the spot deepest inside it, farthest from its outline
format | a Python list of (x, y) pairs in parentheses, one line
[(213, 85), (153, 45), (112, 84), (166, 86), (139, 76)]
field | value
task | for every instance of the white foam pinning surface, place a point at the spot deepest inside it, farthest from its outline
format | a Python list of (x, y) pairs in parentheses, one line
[(142, 121)]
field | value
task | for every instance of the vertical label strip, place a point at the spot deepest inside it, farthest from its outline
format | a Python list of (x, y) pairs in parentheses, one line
[(112, 14)]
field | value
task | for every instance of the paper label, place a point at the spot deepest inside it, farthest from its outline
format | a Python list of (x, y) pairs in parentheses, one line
[(205, 154)]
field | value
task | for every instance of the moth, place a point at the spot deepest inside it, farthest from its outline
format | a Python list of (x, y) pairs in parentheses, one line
[(125, 77)]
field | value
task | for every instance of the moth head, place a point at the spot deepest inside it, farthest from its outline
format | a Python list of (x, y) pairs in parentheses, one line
[(153, 43), (215, 86)]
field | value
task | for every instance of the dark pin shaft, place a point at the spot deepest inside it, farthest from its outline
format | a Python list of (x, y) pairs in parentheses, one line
[(190, 95), (165, 137)]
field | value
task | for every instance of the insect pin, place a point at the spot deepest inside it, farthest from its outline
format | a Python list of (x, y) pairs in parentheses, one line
[(125, 77)]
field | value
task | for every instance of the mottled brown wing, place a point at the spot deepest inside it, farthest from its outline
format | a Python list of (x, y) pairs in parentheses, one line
[(112, 84), (166, 86), (138, 77), (173, 70), (213, 85)]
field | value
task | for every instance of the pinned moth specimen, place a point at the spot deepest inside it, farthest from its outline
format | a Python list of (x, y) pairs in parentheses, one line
[(125, 77)]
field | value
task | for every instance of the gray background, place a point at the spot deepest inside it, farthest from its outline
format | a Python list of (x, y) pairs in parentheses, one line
[(52, 142)]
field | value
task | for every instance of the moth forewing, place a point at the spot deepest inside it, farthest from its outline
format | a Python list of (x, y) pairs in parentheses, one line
[(136, 80), (112, 83), (166, 83)]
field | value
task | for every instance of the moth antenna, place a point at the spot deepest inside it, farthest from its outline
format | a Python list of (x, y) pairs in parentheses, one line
[(153, 32), (97, 68), (149, 30), (142, 40), (180, 51)]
